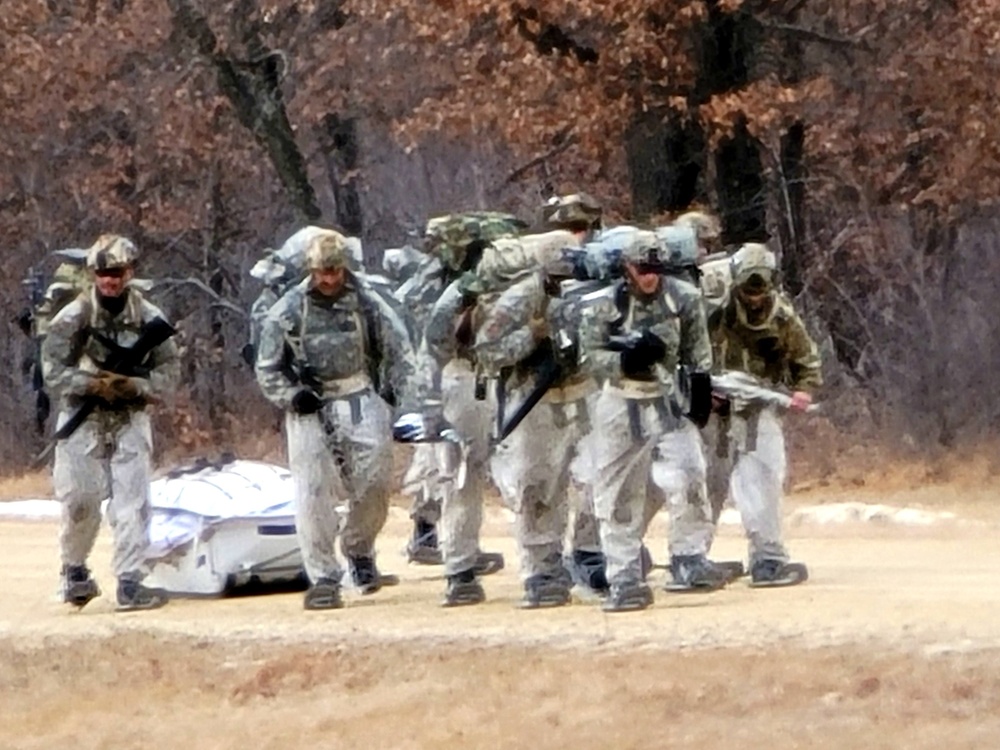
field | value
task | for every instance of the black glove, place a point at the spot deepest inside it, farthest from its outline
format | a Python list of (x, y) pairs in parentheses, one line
[(700, 384), (249, 354), (644, 352), (306, 402)]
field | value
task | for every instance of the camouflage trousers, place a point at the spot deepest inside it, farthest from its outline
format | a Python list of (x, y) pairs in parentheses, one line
[(108, 456), (678, 481), (422, 482), (645, 456), (534, 468), (462, 469), (749, 463), (341, 464)]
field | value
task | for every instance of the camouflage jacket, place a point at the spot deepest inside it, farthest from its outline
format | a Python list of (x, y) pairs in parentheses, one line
[(326, 342), (267, 298), (516, 327), (506, 334), (71, 355), (447, 335), (675, 315), (780, 351), (421, 291)]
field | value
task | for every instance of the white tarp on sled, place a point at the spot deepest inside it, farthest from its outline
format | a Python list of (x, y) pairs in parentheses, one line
[(218, 526)]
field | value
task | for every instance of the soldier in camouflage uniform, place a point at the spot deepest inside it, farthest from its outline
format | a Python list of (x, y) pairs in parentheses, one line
[(714, 277), (453, 245), (581, 214), (689, 566), (640, 449), (331, 352), (758, 332), (454, 392), (422, 481), (108, 455), (529, 330)]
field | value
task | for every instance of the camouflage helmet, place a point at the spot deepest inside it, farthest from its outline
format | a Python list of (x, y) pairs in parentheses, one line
[(327, 250), (111, 251), (705, 225), (568, 210), (680, 245), (643, 249), (448, 237), (753, 261)]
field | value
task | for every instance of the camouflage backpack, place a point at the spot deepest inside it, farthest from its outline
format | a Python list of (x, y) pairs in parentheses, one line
[(451, 237), (68, 282)]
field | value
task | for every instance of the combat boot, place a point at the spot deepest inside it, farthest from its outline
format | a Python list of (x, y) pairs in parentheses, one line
[(422, 549), (463, 589), (645, 562), (323, 594), (132, 595), (628, 596), (79, 587), (542, 591), (695, 573), (587, 568), (366, 575), (771, 573), (488, 563)]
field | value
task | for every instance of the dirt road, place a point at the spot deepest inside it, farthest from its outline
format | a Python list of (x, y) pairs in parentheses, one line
[(895, 642)]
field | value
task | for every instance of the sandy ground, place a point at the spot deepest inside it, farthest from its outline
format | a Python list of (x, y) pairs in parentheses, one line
[(893, 643)]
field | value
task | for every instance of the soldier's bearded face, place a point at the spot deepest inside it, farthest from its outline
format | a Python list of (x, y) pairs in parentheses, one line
[(328, 281), (111, 282), (643, 281)]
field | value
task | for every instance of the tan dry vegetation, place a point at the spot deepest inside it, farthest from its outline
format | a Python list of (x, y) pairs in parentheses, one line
[(186, 693), (34, 484)]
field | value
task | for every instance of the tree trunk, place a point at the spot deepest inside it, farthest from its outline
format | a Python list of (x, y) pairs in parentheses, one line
[(740, 186), (666, 161), (791, 226), (339, 141)]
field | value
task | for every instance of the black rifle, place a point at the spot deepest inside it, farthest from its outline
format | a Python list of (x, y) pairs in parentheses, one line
[(128, 361), (27, 321), (551, 361)]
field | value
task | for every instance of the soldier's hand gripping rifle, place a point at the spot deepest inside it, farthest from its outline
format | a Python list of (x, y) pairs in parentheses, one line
[(124, 361)]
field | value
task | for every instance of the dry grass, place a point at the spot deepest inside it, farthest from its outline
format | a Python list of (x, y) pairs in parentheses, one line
[(37, 484), (199, 693)]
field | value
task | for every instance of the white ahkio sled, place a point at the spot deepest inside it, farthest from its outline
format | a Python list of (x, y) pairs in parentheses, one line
[(217, 527)]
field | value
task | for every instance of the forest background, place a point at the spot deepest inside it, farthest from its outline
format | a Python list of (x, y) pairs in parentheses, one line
[(859, 138)]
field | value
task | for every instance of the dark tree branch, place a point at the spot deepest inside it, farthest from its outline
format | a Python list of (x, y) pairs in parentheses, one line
[(255, 93), (539, 160), (218, 300), (818, 36)]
